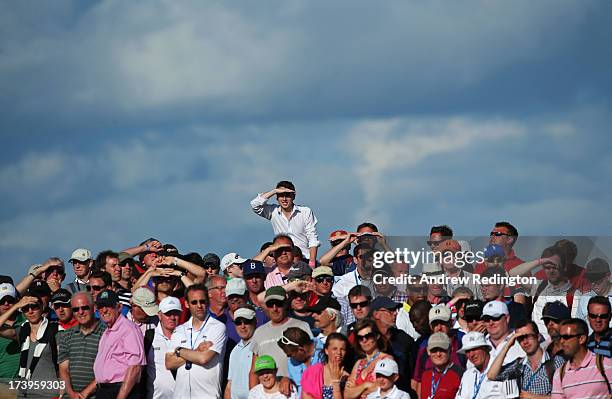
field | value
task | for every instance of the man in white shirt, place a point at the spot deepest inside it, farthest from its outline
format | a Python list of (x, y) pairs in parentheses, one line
[(299, 222), (242, 355), (362, 275), (197, 350), (598, 274)]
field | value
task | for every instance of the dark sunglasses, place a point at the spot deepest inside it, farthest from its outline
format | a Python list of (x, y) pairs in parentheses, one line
[(61, 305), (211, 266), (280, 250), (525, 337), (355, 305), (471, 319), (498, 234), (96, 287), (57, 270), (365, 337), (567, 337), (27, 308), (603, 316), (198, 302), (547, 320), (254, 276), (8, 300), (324, 279), (274, 302), (242, 322), (83, 308), (487, 319)]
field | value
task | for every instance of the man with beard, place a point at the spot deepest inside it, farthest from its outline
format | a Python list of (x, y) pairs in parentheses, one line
[(552, 316)]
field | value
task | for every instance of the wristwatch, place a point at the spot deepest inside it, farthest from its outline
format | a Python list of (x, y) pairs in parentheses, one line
[(177, 351)]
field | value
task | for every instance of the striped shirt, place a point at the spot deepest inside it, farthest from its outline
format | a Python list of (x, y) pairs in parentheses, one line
[(535, 381), (583, 382), (80, 350), (603, 347)]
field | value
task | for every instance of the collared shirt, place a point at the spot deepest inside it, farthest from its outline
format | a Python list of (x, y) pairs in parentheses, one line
[(121, 346), (274, 278), (200, 381), (450, 287), (343, 285), (149, 324), (77, 285), (581, 304), (470, 388), (603, 347), (394, 393), (536, 381), (81, 351), (548, 294), (423, 361), (240, 361), (301, 225), (515, 352), (445, 383), (584, 381), (160, 382)]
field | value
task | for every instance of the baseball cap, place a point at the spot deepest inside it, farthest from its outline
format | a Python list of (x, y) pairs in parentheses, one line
[(244, 313), (386, 367), (432, 269), (169, 304), (7, 289), (230, 259), (336, 234), (555, 310), (495, 309), (473, 340), (276, 292), (323, 303), (596, 269), (383, 302), (107, 298), (265, 362), (39, 288), (439, 312), (145, 298), (494, 250), (61, 296), (252, 267), (235, 286), (80, 254), (322, 271), (473, 309), (124, 256), (298, 274), (438, 340), (6, 279), (211, 259)]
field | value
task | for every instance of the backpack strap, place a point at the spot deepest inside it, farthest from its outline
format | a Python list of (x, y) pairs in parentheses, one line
[(562, 372), (599, 362), (148, 340), (549, 366)]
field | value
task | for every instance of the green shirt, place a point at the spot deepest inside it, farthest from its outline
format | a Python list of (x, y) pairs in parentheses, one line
[(10, 352)]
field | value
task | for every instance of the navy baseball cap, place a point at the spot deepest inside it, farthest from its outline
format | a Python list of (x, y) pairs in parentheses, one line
[(556, 311), (252, 267), (383, 302)]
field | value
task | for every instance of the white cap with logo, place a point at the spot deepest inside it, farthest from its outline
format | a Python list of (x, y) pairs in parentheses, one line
[(495, 309), (231, 258), (7, 289), (386, 367), (169, 304), (81, 254)]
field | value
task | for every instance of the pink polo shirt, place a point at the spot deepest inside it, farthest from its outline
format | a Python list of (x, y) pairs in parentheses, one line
[(121, 346), (584, 381)]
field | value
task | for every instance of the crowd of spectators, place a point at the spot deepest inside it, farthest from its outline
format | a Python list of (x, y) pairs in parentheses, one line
[(301, 319)]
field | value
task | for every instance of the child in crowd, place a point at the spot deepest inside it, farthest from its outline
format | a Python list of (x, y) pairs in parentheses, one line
[(387, 372), (268, 388)]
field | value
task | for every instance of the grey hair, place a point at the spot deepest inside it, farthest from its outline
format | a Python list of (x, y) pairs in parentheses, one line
[(337, 314)]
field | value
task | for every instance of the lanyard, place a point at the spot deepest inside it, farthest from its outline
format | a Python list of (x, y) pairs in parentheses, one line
[(477, 386), (197, 336), (357, 279), (434, 385), (533, 376)]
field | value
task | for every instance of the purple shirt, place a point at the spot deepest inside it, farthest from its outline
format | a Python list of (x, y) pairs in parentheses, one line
[(121, 346)]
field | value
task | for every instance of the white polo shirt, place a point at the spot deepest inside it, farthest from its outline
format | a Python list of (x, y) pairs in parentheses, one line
[(160, 382), (394, 393), (488, 389), (200, 382)]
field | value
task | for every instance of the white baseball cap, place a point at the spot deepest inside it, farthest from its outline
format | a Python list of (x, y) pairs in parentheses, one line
[(439, 312), (495, 309), (245, 313), (7, 289), (235, 286), (81, 254), (230, 259), (473, 340), (386, 367), (169, 304)]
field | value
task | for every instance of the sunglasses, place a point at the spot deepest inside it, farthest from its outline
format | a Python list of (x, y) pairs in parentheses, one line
[(471, 319), (198, 302), (57, 270), (275, 302), (546, 320), (27, 308), (95, 287), (488, 319), (85, 308), (8, 301), (498, 234), (242, 322), (324, 280), (355, 305), (280, 250), (603, 316), (365, 337), (286, 341), (567, 337), (526, 337), (254, 276), (61, 305), (211, 267)]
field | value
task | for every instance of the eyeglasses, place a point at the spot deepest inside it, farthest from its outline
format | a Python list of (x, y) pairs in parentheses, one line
[(275, 302), (85, 308), (211, 267), (27, 308), (286, 341), (198, 302), (603, 316), (488, 319), (355, 305), (61, 305), (471, 319), (253, 276), (280, 250), (547, 320), (499, 234), (438, 350), (567, 337), (365, 337), (58, 270), (324, 280), (526, 337), (242, 322), (8, 300), (96, 287)]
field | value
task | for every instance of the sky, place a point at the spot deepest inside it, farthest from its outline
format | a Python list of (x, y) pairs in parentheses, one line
[(128, 120)]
